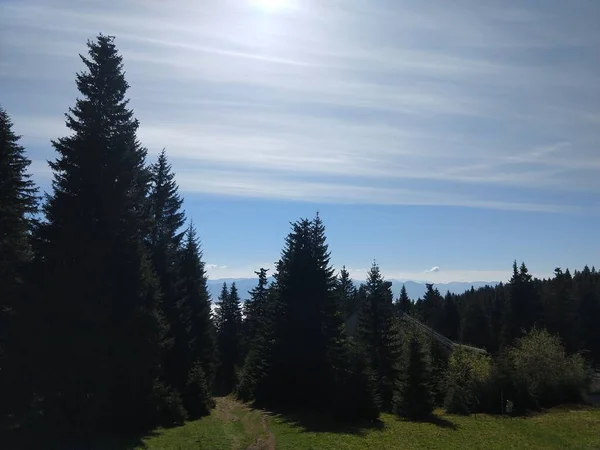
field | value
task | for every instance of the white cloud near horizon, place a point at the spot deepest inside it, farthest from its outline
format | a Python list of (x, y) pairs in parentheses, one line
[(375, 102), (433, 269)]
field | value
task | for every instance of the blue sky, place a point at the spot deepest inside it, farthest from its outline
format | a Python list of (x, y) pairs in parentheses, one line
[(429, 134)]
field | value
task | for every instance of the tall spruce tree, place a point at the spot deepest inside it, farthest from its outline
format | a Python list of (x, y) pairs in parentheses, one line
[(379, 336), (196, 320), (164, 242), (102, 332), (305, 349), (17, 204), (228, 317)]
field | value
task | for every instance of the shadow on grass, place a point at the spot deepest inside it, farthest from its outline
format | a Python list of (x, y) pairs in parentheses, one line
[(434, 420), (322, 422), (25, 439)]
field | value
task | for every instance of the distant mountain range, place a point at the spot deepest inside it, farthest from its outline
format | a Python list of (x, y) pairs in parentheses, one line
[(414, 289)]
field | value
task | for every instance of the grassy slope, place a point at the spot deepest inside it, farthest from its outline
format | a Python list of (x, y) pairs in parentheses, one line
[(235, 426), (232, 425)]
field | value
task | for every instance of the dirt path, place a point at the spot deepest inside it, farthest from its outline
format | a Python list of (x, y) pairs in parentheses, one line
[(254, 422), (264, 443)]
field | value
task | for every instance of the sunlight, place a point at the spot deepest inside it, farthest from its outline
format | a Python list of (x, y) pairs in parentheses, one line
[(269, 5)]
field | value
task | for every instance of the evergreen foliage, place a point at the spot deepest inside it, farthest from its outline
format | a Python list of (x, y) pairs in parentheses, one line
[(358, 396), (377, 334), (255, 308), (404, 304), (197, 325), (228, 320), (165, 236), (18, 203), (415, 395), (104, 305), (347, 293), (104, 336)]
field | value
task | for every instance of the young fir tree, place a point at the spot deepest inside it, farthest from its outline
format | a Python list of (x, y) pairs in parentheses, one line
[(256, 381), (101, 330), (379, 337), (255, 309), (403, 304), (432, 307), (415, 398), (17, 204), (197, 325), (521, 309), (451, 322), (347, 293), (164, 241), (228, 317)]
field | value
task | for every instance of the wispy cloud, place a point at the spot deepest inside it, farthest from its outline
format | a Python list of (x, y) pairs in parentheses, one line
[(480, 105), (433, 269)]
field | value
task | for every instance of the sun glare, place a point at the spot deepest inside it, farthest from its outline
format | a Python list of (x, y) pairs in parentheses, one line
[(269, 5)]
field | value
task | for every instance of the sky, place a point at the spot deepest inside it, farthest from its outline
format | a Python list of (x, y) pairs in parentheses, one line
[(441, 139)]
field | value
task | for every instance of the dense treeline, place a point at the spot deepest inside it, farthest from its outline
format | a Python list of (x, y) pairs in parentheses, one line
[(106, 320)]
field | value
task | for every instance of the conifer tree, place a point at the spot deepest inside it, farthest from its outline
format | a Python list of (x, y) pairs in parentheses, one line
[(228, 317), (303, 357), (358, 396), (255, 308), (196, 321), (522, 308), (404, 304), (165, 236), (432, 307), (346, 293), (257, 380), (380, 338), (17, 204), (101, 328), (451, 322), (415, 395)]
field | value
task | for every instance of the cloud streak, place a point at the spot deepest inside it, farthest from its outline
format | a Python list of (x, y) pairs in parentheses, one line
[(383, 102)]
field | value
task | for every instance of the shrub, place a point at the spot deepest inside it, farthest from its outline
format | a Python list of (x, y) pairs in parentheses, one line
[(542, 374), (467, 382)]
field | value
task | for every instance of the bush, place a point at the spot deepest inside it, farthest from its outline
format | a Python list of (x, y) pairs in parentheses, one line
[(467, 382), (543, 373)]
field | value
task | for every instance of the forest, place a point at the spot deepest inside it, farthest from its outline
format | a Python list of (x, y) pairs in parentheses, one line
[(106, 322)]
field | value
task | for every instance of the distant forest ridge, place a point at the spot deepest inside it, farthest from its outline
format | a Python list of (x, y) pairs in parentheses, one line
[(414, 289)]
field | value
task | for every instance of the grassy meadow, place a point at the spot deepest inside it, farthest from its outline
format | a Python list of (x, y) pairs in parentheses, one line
[(235, 426)]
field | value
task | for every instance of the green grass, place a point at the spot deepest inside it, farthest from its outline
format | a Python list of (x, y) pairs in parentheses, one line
[(232, 425), (235, 426)]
